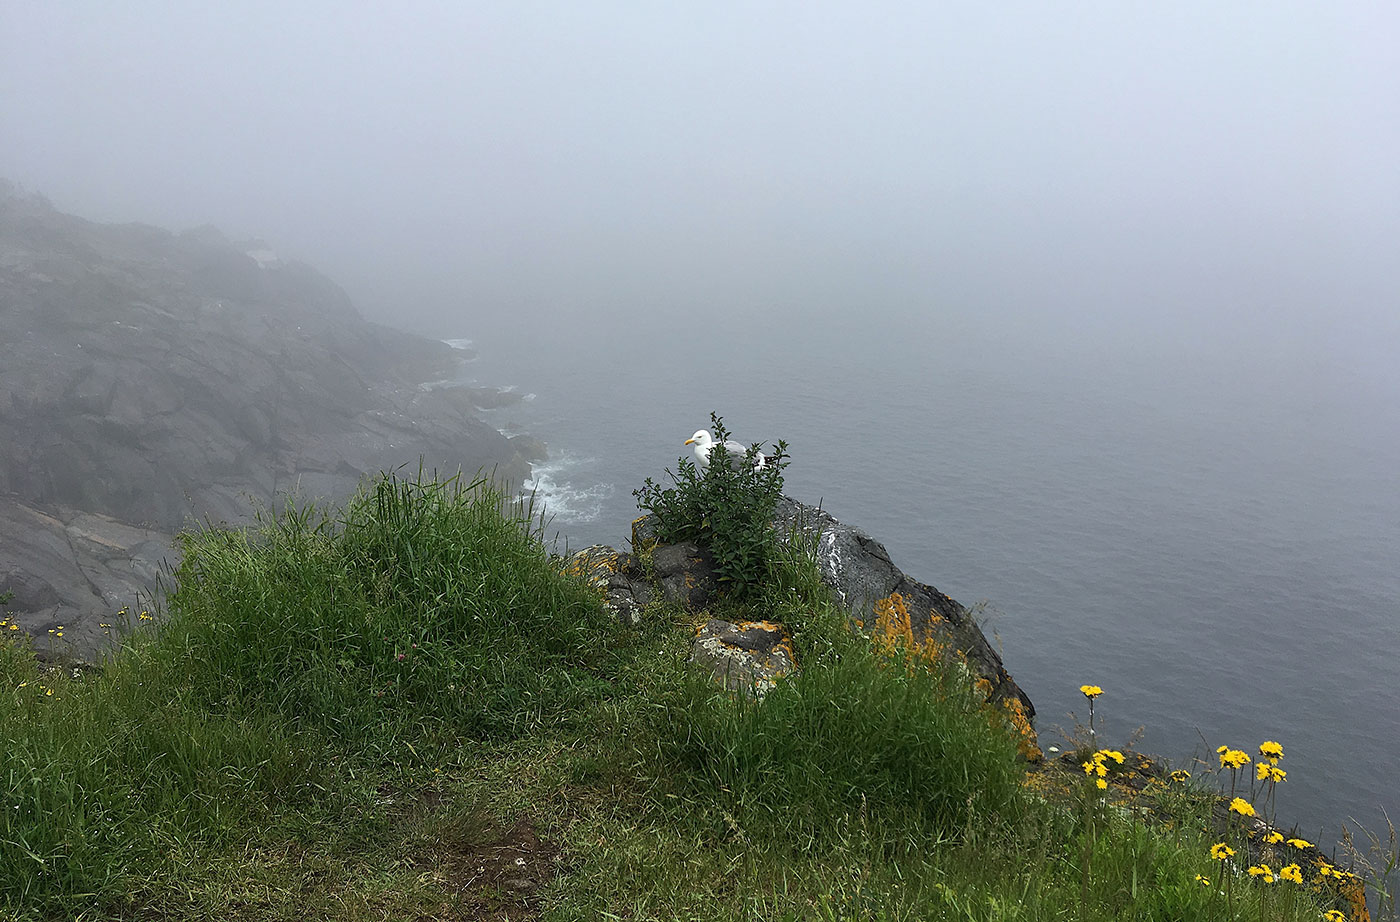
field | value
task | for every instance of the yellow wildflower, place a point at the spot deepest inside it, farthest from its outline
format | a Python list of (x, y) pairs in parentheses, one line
[(1234, 758), (1274, 838), (1203, 881), (1291, 872), (1242, 807), (1090, 691), (1261, 870), (1101, 782), (1181, 776), (1300, 843), (1334, 915), (1269, 771), (1271, 751), (1220, 851)]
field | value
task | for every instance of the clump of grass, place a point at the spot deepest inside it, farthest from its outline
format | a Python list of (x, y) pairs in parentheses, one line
[(299, 659), (339, 709)]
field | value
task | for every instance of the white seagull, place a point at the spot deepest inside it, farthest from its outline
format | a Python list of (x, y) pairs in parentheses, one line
[(704, 442)]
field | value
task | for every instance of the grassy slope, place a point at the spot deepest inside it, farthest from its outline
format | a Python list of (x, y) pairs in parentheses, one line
[(408, 713)]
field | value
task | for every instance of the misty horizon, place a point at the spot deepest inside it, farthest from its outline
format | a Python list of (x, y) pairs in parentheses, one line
[(1129, 173)]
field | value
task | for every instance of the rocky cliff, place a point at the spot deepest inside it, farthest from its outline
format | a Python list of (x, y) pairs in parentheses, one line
[(148, 379)]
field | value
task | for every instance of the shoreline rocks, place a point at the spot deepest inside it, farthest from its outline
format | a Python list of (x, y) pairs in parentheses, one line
[(151, 380), (857, 568)]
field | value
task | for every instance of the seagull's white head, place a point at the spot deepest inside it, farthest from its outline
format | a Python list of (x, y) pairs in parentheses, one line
[(702, 438)]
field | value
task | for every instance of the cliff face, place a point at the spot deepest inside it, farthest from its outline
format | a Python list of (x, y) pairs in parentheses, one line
[(155, 378)]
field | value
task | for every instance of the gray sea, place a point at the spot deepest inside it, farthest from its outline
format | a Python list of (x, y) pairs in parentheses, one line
[(1205, 522)]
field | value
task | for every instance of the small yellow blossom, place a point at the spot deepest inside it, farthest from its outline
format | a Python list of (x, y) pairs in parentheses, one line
[(1267, 771), (1334, 915), (1274, 837), (1300, 843), (1090, 691), (1181, 776), (1220, 851), (1242, 807), (1203, 881), (1102, 783), (1261, 870), (1234, 758), (1271, 751), (1291, 872)]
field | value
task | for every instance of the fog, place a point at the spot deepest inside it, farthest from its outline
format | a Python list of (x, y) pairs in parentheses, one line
[(1086, 308), (1126, 172)]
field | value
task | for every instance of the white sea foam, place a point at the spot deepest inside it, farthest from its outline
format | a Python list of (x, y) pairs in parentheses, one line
[(563, 500), (462, 344)]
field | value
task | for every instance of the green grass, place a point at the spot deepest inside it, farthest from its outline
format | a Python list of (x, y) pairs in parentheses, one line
[(406, 712)]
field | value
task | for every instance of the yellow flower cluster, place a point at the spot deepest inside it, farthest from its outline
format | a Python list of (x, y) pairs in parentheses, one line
[(1242, 807), (1271, 750), (1220, 851), (1300, 843), (1090, 691), (1181, 776), (1267, 771), (1261, 870), (1326, 869), (1334, 915), (1098, 765), (1291, 872), (1233, 758)]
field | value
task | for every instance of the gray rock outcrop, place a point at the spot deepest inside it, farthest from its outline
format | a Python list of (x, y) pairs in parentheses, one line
[(859, 570), (76, 579), (856, 567), (158, 379)]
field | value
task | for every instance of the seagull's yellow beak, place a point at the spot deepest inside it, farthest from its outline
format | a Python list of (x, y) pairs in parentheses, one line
[(689, 441)]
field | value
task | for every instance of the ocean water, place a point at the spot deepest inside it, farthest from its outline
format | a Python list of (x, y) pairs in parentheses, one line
[(1207, 528)]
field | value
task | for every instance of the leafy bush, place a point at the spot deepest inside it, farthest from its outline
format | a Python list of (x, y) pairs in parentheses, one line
[(726, 508)]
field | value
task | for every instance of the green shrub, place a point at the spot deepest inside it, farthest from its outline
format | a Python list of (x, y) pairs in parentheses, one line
[(726, 508)]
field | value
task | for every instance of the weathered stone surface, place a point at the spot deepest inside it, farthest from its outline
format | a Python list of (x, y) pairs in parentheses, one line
[(686, 574), (158, 379), (75, 572), (617, 576), (860, 571), (748, 656), (646, 534)]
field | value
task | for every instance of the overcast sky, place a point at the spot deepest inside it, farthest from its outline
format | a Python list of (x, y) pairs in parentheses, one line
[(546, 158)]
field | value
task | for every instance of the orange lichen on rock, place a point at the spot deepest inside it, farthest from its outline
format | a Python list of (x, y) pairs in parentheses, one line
[(1026, 739), (894, 633), (594, 568), (893, 638)]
